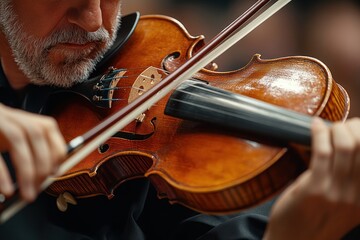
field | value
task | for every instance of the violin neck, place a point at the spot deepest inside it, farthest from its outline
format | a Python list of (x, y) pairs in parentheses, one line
[(194, 100)]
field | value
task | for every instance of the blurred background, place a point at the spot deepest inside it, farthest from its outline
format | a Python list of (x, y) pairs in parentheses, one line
[(328, 30)]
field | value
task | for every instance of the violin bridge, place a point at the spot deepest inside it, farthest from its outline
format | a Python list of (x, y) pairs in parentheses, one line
[(145, 81)]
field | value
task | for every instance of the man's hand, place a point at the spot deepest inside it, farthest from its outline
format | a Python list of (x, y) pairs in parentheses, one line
[(35, 146), (324, 202)]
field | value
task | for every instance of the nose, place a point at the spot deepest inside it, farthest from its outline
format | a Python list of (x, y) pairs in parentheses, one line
[(86, 14)]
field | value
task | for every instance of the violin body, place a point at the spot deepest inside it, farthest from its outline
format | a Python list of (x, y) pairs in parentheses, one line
[(204, 167)]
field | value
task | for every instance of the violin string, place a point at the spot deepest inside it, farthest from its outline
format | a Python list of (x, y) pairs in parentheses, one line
[(133, 69), (113, 78), (112, 99), (128, 76), (160, 70)]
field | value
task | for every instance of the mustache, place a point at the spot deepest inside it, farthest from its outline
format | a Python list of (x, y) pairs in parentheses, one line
[(75, 35)]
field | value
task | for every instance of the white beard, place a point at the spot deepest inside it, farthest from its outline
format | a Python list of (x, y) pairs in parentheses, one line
[(32, 53)]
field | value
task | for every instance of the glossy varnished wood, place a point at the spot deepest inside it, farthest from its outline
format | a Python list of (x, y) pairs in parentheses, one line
[(206, 168)]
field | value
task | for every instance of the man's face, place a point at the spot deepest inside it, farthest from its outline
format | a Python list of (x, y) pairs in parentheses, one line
[(59, 42)]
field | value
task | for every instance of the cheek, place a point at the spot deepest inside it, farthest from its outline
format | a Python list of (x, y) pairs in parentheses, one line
[(37, 18)]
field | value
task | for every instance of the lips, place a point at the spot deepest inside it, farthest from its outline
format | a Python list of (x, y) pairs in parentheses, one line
[(74, 46), (71, 52)]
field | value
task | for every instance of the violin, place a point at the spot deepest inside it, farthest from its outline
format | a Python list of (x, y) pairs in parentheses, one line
[(204, 165), (210, 169)]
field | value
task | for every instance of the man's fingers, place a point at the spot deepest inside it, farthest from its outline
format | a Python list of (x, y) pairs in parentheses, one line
[(23, 163), (6, 184), (343, 144), (321, 148), (35, 146), (41, 156), (354, 128), (56, 143)]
